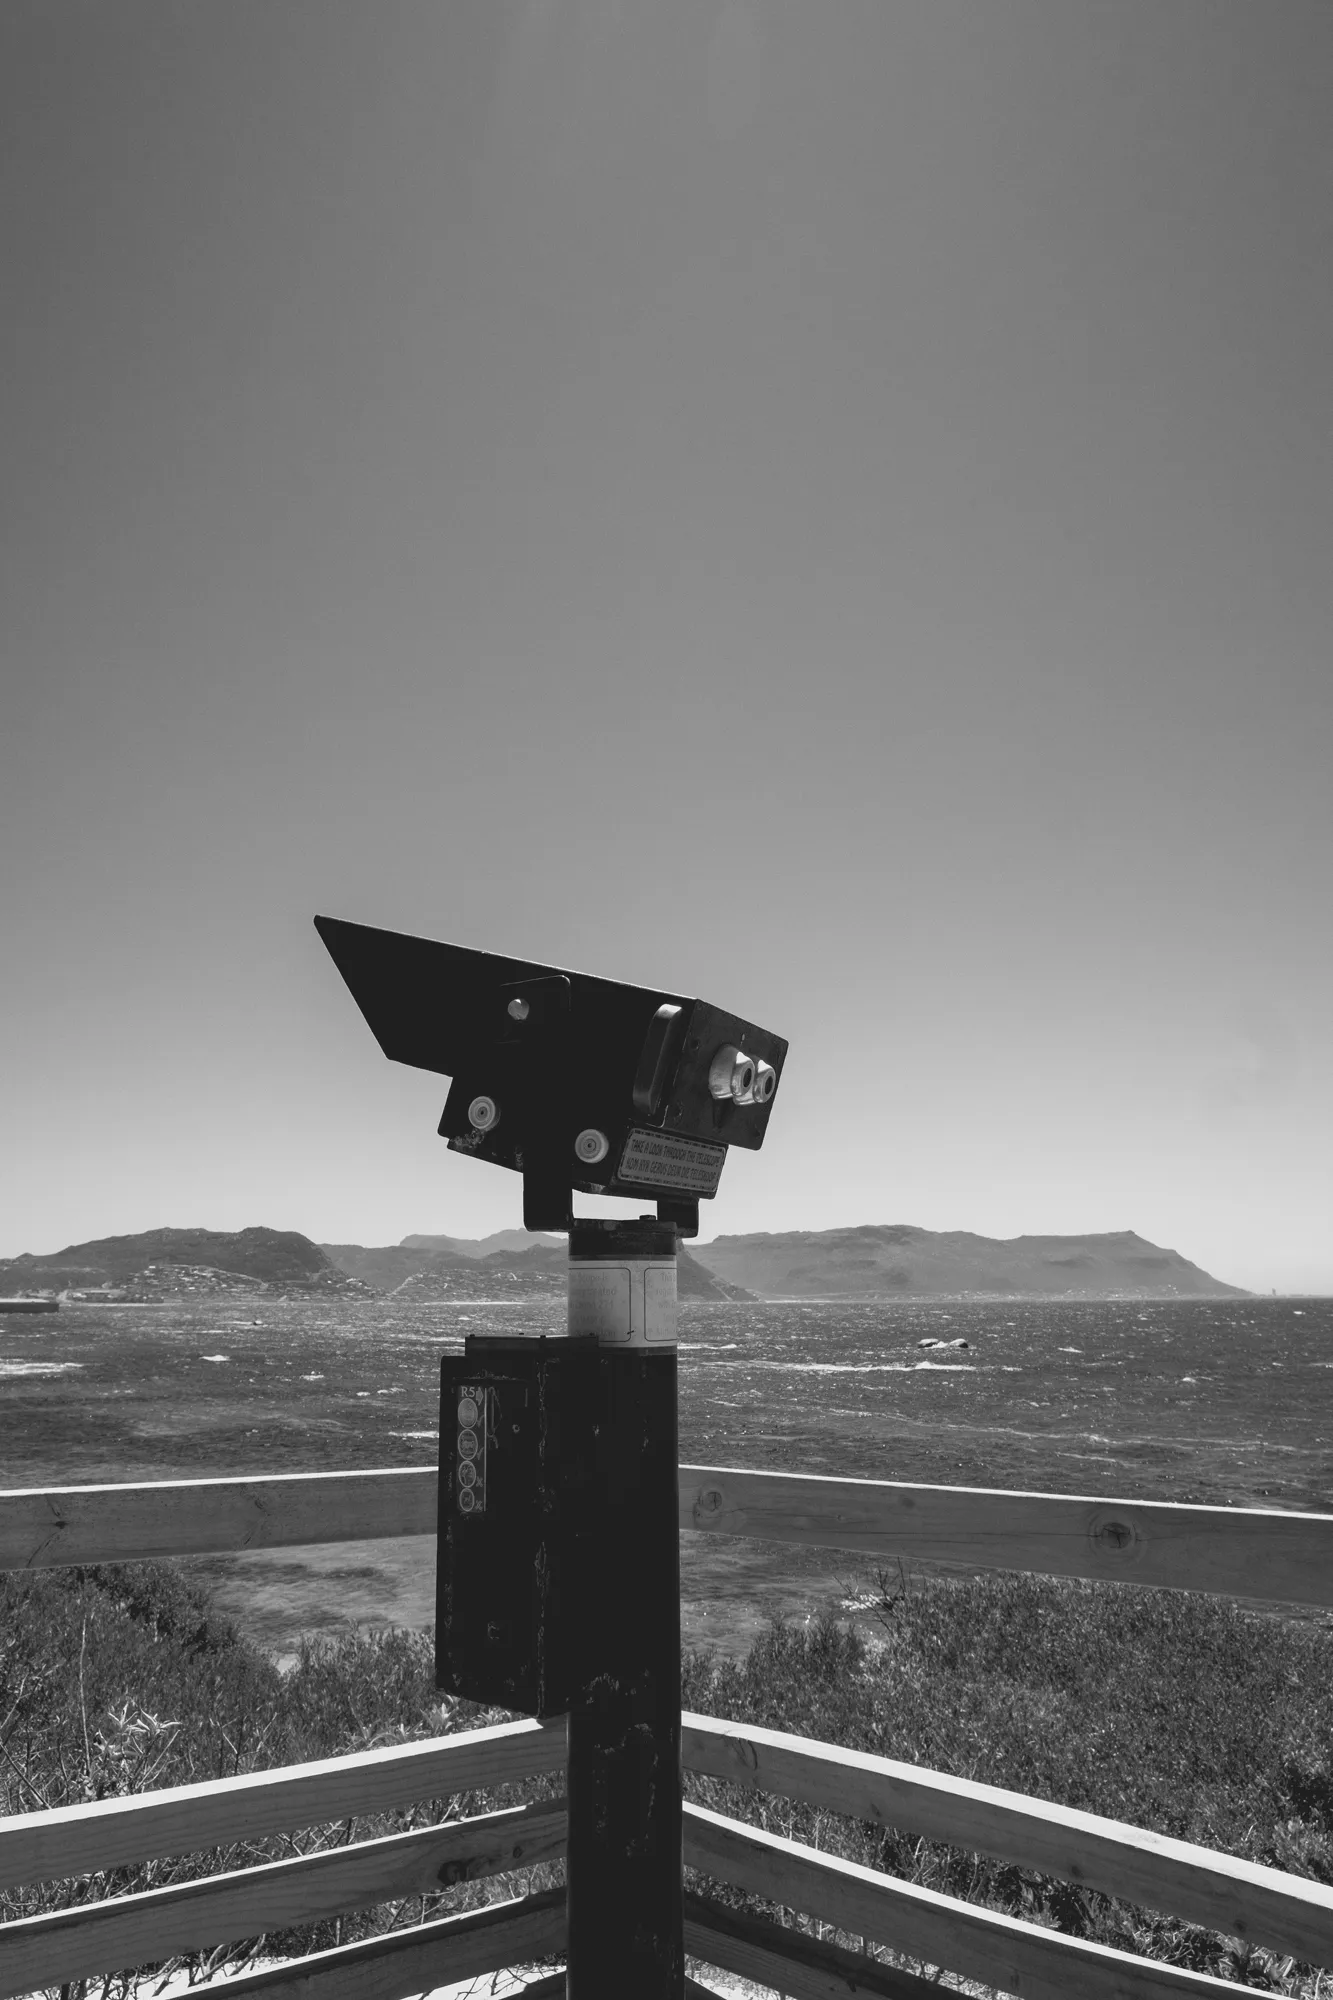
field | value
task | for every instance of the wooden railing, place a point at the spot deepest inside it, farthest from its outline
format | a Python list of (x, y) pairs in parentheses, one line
[(118, 1931), (1257, 1553)]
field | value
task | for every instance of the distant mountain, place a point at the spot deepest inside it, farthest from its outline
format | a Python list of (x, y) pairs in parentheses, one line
[(534, 1267), (895, 1260), (386, 1267), (877, 1260), (449, 1274), (482, 1246), (383, 1269), (695, 1281), (161, 1261)]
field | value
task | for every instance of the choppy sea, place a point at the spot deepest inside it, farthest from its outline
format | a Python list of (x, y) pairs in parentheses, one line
[(1228, 1402)]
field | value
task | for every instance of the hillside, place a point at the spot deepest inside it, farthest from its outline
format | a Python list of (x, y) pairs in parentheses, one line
[(898, 1261), (451, 1274), (385, 1267), (463, 1269), (876, 1260), (158, 1262), (483, 1246)]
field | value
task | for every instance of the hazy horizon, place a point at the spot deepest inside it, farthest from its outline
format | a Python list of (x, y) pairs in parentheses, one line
[(825, 509)]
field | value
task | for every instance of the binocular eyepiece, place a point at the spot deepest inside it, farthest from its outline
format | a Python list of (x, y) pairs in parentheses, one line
[(573, 1081), (734, 1074)]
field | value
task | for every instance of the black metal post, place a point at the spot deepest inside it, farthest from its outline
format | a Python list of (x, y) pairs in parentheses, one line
[(624, 1857)]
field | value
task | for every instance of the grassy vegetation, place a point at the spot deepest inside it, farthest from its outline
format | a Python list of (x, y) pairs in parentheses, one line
[(122, 1679), (1184, 1714)]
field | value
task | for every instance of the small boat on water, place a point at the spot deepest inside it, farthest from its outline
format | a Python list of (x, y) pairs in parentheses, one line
[(29, 1305)]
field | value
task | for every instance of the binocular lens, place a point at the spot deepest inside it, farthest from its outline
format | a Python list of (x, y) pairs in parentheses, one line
[(765, 1082), (732, 1074)]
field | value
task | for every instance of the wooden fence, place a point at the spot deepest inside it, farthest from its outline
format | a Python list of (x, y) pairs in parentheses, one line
[(1256, 1553)]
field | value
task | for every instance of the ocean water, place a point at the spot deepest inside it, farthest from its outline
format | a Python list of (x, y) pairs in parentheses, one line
[(1228, 1402)]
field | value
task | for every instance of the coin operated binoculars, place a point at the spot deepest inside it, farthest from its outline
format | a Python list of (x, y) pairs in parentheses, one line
[(558, 1580)]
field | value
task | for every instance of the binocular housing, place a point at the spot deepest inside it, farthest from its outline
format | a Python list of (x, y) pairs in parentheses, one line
[(573, 1081)]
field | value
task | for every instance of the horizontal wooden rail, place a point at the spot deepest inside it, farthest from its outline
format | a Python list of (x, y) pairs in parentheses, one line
[(793, 1961), (44, 1527), (83, 1839), (313, 1976), (1256, 1552), (1238, 1898), (527, 1930), (980, 1944), (121, 1931), (1219, 1891)]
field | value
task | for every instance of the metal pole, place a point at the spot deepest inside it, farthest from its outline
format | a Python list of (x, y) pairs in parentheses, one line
[(624, 1858)]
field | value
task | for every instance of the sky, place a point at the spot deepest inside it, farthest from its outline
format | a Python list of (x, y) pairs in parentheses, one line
[(824, 507)]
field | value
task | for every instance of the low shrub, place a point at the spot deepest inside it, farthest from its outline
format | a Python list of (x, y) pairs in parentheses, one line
[(1184, 1714), (123, 1679)]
